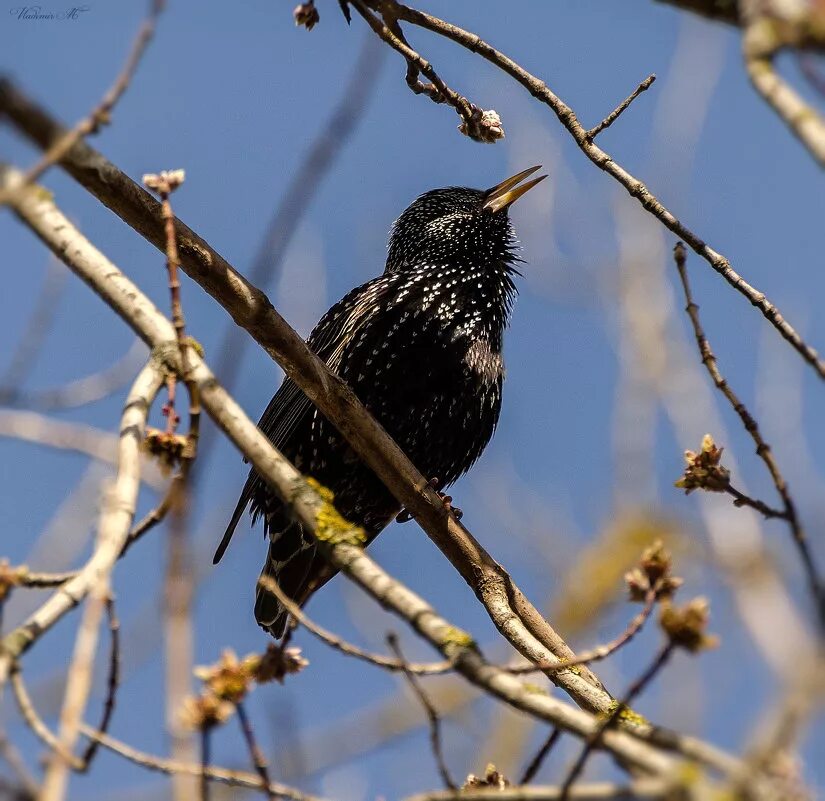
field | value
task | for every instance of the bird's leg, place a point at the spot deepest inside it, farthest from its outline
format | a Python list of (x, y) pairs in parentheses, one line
[(404, 516)]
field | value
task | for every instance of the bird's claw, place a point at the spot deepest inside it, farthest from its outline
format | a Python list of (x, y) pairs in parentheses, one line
[(405, 516)]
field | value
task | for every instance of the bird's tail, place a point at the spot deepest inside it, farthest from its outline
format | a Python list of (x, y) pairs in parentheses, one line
[(291, 562)]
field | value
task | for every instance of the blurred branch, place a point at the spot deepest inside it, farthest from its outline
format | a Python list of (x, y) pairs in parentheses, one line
[(514, 616), (78, 681), (604, 161), (100, 114), (88, 440), (765, 35), (28, 785), (763, 450), (81, 391)]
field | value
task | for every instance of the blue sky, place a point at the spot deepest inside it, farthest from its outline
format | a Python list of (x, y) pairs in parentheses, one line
[(235, 95)]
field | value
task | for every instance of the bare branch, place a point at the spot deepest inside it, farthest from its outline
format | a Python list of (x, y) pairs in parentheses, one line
[(29, 714), (762, 40), (474, 124), (763, 450), (621, 108), (258, 759), (339, 644), (35, 331)]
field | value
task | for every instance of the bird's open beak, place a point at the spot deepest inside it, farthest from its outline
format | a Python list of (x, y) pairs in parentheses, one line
[(507, 192)]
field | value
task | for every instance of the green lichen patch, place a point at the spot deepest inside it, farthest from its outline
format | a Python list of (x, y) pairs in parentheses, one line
[(456, 636), (330, 525)]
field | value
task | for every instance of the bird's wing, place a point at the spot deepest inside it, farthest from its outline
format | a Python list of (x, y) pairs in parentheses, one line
[(290, 406)]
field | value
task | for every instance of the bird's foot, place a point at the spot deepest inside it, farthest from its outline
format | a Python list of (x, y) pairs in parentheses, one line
[(404, 516)]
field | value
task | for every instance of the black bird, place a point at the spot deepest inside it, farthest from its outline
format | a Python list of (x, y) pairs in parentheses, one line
[(421, 347)]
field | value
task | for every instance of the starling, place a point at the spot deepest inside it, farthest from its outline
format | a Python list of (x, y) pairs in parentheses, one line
[(421, 348)]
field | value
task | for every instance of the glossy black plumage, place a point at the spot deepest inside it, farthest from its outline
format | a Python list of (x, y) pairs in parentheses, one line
[(421, 347)]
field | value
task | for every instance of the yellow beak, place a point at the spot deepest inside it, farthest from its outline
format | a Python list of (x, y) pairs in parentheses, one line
[(507, 192)]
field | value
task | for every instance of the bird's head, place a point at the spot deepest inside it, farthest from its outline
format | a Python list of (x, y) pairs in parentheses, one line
[(457, 224)]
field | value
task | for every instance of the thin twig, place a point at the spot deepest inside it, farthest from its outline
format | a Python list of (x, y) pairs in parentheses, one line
[(112, 683), (255, 752), (741, 499), (339, 644), (81, 391), (33, 720), (621, 708), (205, 742), (101, 114), (432, 715), (536, 762), (621, 108), (763, 450), (437, 90), (601, 651), (178, 582)]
